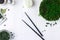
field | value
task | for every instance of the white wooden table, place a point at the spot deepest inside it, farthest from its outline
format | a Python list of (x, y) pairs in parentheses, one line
[(22, 32)]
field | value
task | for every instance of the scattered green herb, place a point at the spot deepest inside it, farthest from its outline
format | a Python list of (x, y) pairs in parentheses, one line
[(43, 30), (50, 9), (55, 22), (51, 24), (47, 23), (4, 24)]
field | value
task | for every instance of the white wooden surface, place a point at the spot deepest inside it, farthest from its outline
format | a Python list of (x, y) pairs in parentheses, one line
[(23, 32)]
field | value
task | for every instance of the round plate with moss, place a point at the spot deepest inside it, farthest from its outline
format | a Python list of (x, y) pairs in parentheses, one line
[(5, 35), (50, 9)]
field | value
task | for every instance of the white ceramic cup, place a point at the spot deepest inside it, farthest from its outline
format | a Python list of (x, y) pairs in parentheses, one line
[(11, 1)]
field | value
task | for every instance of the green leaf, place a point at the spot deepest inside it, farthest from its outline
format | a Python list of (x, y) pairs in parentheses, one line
[(3, 11)]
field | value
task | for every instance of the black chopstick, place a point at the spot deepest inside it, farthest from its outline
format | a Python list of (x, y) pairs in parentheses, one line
[(33, 30), (34, 24)]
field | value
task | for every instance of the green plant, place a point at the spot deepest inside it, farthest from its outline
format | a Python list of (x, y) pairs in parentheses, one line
[(4, 35), (50, 9)]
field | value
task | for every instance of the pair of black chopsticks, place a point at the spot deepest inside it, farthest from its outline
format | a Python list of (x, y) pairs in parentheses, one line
[(39, 34)]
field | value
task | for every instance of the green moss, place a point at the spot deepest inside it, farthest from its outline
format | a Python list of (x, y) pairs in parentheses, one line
[(50, 9), (4, 35)]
